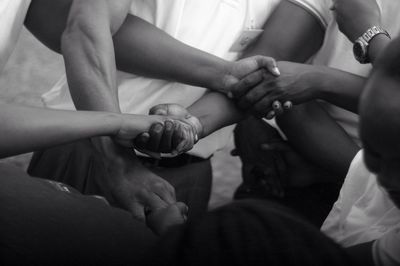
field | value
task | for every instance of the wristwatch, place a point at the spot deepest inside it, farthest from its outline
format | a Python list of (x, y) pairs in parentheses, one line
[(360, 48)]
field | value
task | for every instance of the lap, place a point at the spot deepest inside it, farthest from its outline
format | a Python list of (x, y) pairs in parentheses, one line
[(79, 165), (45, 222)]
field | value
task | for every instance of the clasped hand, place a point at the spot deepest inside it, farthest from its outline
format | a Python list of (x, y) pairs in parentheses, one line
[(266, 95), (178, 134)]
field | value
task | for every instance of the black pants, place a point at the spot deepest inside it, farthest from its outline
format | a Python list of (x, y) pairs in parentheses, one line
[(313, 202), (45, 222), (81, 167)]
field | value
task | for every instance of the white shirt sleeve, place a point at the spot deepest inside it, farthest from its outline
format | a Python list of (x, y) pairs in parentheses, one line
[(12, 16), (386, 250), (319, 8)]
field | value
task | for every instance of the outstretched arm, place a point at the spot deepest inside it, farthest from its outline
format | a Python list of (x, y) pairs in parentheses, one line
[(25, 129)]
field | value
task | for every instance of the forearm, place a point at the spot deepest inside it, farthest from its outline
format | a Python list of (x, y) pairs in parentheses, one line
[(26, 129), (156, 54), (136, 44), (313, 132), (337, 87), (215, 111), (88, 51)]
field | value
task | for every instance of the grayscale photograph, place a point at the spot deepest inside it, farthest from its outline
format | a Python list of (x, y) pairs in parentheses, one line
[(200, 132)]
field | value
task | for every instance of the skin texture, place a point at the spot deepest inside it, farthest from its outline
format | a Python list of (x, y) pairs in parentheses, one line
[(368, 14), (353, 26), (25, 129), (379, 127), (379, 121)]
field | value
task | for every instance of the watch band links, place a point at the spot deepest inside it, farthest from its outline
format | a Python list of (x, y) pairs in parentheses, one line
[(371, 33)]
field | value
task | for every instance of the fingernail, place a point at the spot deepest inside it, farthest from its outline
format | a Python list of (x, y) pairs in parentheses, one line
[(168, 125), (276, 105), (174, 153), (145, 136), (276, 71), (230, 95), (158, 127)]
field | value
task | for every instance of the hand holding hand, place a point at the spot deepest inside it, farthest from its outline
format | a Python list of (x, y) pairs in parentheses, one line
[(161, 220), (132, 125), (239, 69), (265, 95), (355, 17), (177, 135), (131, 186)]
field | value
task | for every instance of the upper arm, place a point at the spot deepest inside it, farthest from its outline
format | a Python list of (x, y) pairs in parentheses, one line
[(91, 15), (292, 33), (47, 19)]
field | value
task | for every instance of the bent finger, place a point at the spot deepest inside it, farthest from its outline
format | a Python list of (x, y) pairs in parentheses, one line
[(269, 63), (247, 83)]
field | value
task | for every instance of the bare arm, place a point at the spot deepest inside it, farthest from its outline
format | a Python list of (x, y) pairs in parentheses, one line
[(297, 36), (88, 51), (25, 129)]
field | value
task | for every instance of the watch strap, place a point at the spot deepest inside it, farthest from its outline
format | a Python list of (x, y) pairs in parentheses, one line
[(372, 33)]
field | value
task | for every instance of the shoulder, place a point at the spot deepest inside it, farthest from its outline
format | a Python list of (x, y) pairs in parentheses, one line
[(320, 9)]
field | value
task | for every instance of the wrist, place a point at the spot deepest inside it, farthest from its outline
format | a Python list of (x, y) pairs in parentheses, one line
[(319, 81), (198, 126), (376, 46), (221, 77)]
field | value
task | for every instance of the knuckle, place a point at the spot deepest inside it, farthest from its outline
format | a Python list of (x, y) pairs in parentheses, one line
[(247, 81)]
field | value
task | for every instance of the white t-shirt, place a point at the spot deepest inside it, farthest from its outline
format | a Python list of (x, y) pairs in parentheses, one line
[(12, 16), (209, 25), (337, 50), (364, 213)]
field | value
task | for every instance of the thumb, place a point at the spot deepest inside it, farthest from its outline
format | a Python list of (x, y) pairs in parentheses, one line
[(269, 63), (230, 81), (160, 109), (184, 209)]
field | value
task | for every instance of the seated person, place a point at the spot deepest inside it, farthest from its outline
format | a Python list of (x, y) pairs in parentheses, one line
[(334, 76), (367, 210)]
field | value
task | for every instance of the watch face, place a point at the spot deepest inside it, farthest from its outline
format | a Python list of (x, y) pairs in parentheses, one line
[(360, 52)]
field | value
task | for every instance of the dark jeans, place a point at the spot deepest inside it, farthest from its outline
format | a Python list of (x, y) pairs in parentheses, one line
[(81, 167), (44, 222), (262, 174)]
